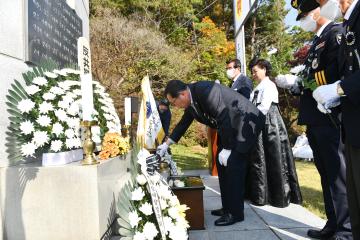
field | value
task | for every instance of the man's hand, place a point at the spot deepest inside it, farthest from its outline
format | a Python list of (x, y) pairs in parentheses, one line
[(161, 149), (287, 81), (223, 157), (327, 96)]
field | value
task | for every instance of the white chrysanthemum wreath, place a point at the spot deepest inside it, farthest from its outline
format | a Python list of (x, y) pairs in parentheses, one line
[(46, 113), (137, 217)]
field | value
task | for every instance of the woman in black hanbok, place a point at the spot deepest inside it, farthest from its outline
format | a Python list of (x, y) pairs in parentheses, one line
[(272, 177)]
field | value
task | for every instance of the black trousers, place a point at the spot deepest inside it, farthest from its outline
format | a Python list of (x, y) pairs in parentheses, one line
[(328, 150), (232, 182), (353, 187)]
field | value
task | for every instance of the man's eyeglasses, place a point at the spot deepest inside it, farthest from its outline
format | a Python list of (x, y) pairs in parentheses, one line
[(172, 103)]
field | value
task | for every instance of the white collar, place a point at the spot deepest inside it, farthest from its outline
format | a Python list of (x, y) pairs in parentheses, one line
[(262, 83), (191, 100), (350, 10), (319, 32)]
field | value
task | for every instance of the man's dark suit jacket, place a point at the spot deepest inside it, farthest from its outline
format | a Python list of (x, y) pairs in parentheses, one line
[(237, 120), (243, 85)]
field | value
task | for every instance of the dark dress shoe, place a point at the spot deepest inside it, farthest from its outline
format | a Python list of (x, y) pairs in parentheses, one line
[(335, 238), (218, 212), (228, 219), (324, 233)]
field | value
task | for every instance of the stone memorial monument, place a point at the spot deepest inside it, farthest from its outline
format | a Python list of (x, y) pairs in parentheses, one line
[(62, 202), (32, 31)]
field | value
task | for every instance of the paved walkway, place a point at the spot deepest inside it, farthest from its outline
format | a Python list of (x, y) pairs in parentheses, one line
[(264, 223)]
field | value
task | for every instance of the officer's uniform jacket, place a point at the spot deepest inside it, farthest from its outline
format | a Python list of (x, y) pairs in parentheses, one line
[(237, 120), (321, 66), (349, 62), (242, 85)]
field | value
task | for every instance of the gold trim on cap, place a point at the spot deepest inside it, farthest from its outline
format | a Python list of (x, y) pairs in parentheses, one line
[(294, 4)]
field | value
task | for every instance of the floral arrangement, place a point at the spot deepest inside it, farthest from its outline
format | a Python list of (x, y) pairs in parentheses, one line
[(113, 145), (185, 181), (46, 112), (177, 183), (137, 214), (298, 69)]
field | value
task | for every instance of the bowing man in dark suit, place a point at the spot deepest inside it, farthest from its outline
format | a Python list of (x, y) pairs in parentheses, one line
[(240, 82), (346, 92), (238, 123)]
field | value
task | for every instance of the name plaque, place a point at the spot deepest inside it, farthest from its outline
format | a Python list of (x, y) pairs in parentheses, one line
[(53, 29)]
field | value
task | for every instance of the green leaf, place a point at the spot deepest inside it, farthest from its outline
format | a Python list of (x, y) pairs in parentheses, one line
[(15, 119), (15, 95), (11, 105), (126, 238), (16, 160), (11, 149), (13, 129), (125, 201), (19, 91), (125, 232), (41, 71), (10, 145), (123, 211), (18, 84), (36, 72), (15, 113), (14, 155), (124, 223), (12, 100), (27, 79)]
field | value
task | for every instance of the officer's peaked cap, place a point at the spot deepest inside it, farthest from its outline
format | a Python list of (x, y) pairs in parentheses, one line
[(303, 7)]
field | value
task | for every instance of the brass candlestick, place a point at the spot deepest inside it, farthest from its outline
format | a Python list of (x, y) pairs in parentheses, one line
[(127, 129), (89, 145)]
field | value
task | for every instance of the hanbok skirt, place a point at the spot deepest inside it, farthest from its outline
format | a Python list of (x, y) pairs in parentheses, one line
[(271, 177)]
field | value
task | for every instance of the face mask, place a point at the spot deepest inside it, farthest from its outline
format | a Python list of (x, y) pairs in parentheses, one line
[(230, 73), (331, 10), (308, 24)]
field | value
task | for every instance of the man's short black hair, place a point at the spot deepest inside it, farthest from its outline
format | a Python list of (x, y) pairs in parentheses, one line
[(237, 63), (174, 87)]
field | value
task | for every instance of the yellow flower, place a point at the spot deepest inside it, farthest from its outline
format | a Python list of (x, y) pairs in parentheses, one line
[(113, 145)]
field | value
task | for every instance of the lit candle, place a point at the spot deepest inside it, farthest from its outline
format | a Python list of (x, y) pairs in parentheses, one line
[(84, 61), (127, 111)]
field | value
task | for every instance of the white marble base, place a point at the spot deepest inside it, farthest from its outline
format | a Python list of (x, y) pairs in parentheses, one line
[(61, 202)]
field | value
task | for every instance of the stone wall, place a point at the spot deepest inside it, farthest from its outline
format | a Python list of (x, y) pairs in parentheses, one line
[(12, 52)]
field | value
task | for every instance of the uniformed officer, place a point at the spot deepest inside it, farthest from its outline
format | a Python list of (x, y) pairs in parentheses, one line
[(348, 91), (323, 130), (238, 123)]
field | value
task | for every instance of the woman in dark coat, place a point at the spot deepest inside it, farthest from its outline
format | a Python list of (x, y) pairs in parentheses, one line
[(272, 177)]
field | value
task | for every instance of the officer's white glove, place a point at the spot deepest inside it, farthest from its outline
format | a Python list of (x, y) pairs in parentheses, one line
[(162, 149), (287, 81), (323, 109), (223, 157), (327, 96)]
